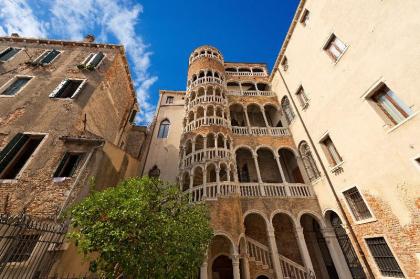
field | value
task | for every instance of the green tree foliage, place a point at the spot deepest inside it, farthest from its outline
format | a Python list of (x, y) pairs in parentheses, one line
[(143, 228)]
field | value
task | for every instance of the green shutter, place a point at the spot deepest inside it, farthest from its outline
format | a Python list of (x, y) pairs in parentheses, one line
[(11, 149)]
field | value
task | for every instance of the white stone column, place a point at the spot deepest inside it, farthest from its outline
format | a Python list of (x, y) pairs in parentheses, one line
[(264, 116), (336, 253), (235, 266), (277, 158), (218, 179), (274, 252), (303, 248), (257, 167), (203, 269), (205, 147), (246, 273), (247, 121), (204, 183)]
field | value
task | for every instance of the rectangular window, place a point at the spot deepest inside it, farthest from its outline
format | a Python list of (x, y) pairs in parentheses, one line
[(335, 47), (305, 17), (387, 264), (68, 164), (68, 88), (16, 86), (20, 249), (8, 53), (169, 100), (284, 63), (132, 116), (303, 98), (390, 105), (331, 152), (92, 61), (357, 205), (15, 155), (47, 57)]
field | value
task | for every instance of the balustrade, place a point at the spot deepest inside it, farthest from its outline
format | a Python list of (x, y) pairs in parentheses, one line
[(206, 121), (204, 80), (259, 252), (208, 55), (255, 74), (202, 155), (206, 99), (253, 93), (261, 131), (290, 269)]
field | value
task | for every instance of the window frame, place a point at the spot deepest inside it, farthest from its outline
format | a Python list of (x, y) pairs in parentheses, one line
[(365, 237), (302, 97), (29, 161), (284, 63), (327, 44), (11, 81), (349, 208), (81, 155), (305, 17), (416, 161), (86, 61), (314, 167), (293, 114), (37, 60), (328, 154), (4, 50), (171, 98), (54, 93), (159, 129)]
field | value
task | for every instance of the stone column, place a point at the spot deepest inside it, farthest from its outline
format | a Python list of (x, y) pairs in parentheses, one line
[(247, 121), (218, 179), (204, 183), (191, 186), (203, 269), (336, 253), (257, 167), (235, 266), (303, 248), (264, 116), (246, 272), (277, 158), (274, 252), (205, 147)]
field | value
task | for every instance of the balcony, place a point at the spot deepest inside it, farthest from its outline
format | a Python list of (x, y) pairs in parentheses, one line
[(260, 131), (201, 156), (206, 121), (205, 80), (251, 93), (254, 74), (206, 99)]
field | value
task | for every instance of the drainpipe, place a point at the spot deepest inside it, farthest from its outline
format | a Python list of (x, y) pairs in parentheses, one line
[(359, 248)]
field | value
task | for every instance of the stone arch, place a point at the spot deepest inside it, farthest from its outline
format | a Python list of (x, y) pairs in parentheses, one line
[(224, 172), (273, 115), (192, 95), (248, 86), (210, 110), (185, 181), (211, 174), (197, 176), (198, 142), (237, 115), (269, 170), (255, 115), (220, 140), (210, 90), (263, 86), (211, 140), (200, 112), (219, 111), (290, 165), (201, 91), (190, 116), (188, 147)]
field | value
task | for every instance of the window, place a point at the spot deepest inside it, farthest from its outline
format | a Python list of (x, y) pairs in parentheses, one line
[(8, 53), (417, 162), (164, 129), (47, 57), (390, 106), (18, 83), (285, 104), (69, 88), (20, 251), (169, 99), (357, 204), (303, 98), (284, 63), (335, 47), (14, 156), (305, 17), (331, 152), (387, 264), (308, 161), (68, 164), (132, 116), (92, 61)]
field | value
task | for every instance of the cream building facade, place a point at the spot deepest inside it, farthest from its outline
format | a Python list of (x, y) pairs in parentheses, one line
[(314, 169)]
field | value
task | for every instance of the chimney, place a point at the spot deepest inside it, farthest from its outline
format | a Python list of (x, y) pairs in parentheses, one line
[(89, 38), (16, 35)]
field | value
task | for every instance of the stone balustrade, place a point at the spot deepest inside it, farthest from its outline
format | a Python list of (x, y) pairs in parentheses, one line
[(204, 80), (208, 55), (251, 93), (260, 131), (200, 156), (255, 74), (206, 99), (206, 121)]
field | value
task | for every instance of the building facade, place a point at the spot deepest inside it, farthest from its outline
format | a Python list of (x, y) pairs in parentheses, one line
[(66, 111), (314, 168)]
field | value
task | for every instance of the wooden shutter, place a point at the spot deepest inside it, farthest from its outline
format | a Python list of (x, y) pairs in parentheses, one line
[(94, 61), (78, 89), (57, 89), (12, 149)]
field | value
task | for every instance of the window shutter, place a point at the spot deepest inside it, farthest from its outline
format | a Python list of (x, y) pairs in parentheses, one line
[(57, 89), (61, 165), (11, 149), (87, 59), (96, 59), (50, 56), (78, 89)]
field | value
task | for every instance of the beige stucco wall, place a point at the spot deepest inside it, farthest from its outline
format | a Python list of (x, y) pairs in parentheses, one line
[(379, 160)]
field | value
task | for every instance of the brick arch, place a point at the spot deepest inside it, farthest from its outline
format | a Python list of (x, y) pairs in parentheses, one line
[(313, 214)]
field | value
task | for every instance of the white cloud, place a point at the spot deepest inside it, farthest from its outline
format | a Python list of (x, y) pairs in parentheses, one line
[(73, 19)]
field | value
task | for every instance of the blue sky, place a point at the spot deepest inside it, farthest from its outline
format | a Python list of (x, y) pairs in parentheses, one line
[(158, 35)]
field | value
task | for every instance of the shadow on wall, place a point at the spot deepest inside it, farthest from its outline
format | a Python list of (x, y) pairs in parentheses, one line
[(166, 159)]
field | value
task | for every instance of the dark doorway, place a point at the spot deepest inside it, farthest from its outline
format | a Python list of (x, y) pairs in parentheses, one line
[(222, 268), (262, 277)]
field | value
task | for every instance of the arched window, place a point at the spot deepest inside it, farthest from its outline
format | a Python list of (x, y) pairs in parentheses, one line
[(308, 161), (285, 104), (164, 129)]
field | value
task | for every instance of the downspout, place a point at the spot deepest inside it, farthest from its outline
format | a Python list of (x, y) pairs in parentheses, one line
[(347, 222)]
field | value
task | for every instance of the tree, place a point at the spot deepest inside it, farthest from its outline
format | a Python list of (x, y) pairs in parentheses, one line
[(142, 228)]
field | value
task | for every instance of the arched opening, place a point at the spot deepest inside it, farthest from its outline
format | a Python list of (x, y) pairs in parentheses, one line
[(192, 96), (263, 86), (246, 165), (233, 85), (219, 112), (290, 166), (222, 268), (188, 147), (262, 277), (287, 109), (273, 116), (217, 93), (220, 141), (194, 77), (256, 119), (190, 116), (244, 70), (199, 143), (223, 174), (210, 140), (257, 70), (237, 115), (200, 92), (232, 172), (216, 75), (209, 74), (228, 141), (210, 111), (200, 112), (256, 236), (201, 74), (203, 52), (317, 248), (197, 177), (185, 181), (231, 70), (269, 170), (164, 129), (308, 161), (346, 246), (210, 91), (211, 173), (285, 234), (248, 86)]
